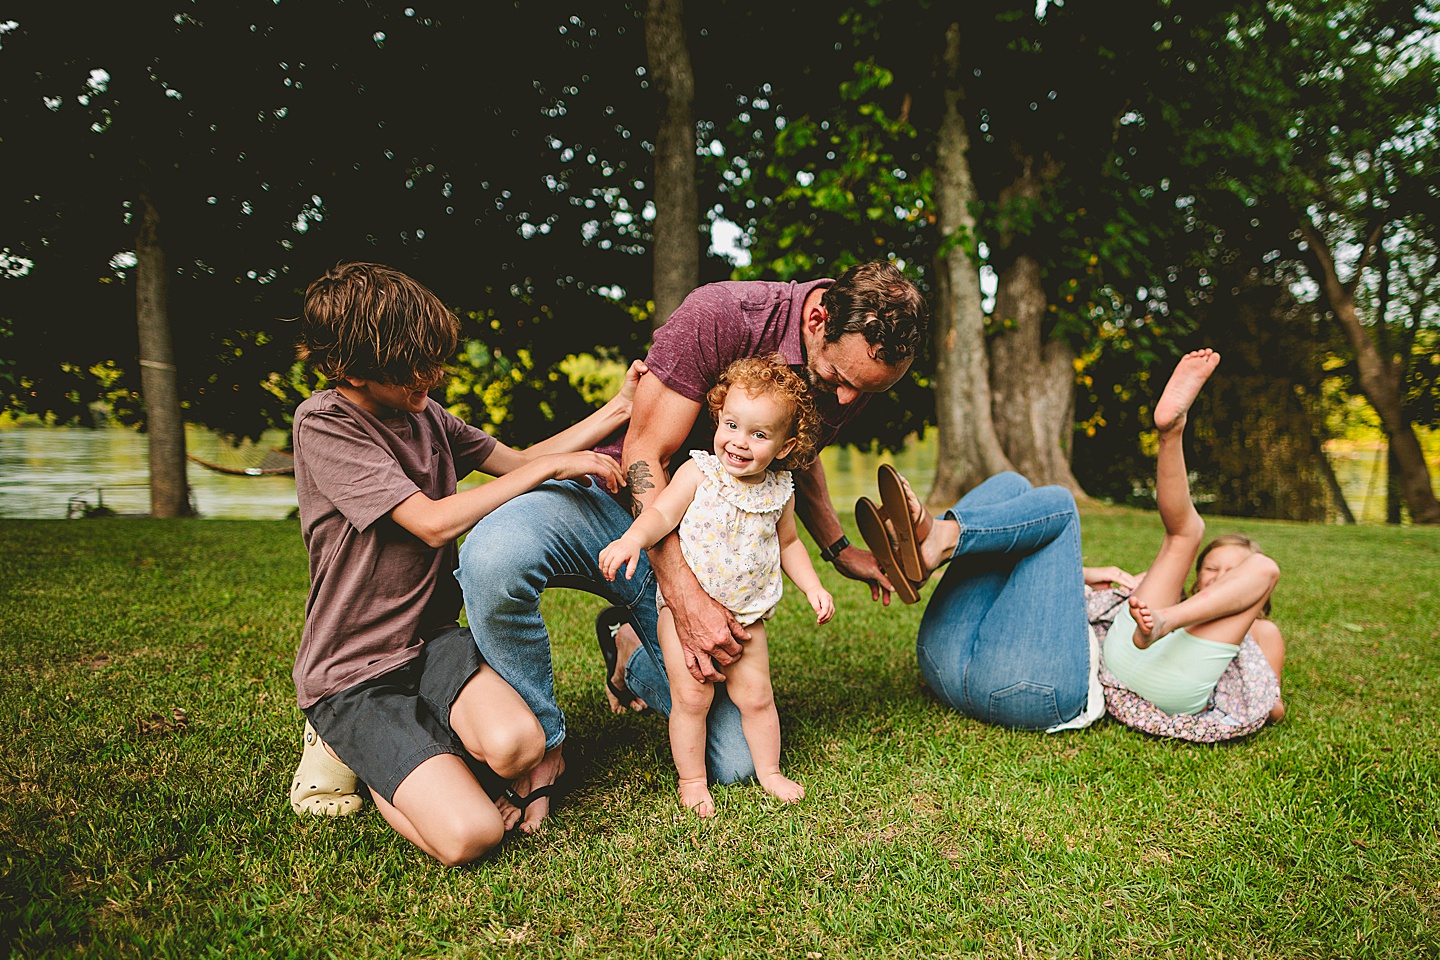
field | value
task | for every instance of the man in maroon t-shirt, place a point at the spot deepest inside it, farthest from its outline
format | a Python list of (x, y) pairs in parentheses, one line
[(849, 338)]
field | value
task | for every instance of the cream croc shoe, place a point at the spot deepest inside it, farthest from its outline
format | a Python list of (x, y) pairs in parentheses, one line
[(323, 786)]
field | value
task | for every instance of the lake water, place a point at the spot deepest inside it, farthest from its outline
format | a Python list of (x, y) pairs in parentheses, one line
[(47, 472), (43, 469)]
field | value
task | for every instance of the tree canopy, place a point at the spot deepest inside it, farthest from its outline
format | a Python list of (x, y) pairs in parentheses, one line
[(1081, 191)]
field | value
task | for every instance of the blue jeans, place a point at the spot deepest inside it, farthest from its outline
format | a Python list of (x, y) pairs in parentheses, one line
[(1004, 638), (552, 537)]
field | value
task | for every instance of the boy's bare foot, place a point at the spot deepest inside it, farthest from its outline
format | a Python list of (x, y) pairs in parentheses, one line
[(1183, 387), (1150, 625), (782, 787), (546, 772), (695, 795)]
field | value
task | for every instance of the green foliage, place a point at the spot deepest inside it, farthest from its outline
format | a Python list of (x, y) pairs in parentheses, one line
[(276, 144), (835, 190), (1324, 112)]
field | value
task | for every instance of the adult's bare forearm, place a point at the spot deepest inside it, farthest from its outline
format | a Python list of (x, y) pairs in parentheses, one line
[(814, 507)]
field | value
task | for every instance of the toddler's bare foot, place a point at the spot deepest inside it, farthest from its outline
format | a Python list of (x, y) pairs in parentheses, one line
[(695, 795), (1277, 712), (1150, 624), (782, 787), (1183, 387)]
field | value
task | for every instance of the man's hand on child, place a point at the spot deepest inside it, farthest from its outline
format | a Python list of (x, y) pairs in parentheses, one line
[(823, 604), (620, 553)]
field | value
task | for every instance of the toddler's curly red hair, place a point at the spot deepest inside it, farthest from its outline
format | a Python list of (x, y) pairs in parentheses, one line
[(772, 376)]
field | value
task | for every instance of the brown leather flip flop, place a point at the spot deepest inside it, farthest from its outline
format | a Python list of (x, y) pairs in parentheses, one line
[(872, 529), (897, 510)]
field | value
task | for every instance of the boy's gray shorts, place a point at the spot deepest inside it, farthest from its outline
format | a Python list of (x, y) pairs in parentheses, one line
[(385, 727)]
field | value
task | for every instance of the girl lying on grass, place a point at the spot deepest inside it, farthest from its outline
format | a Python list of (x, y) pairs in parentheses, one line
[(1171, 646), (737, 532)]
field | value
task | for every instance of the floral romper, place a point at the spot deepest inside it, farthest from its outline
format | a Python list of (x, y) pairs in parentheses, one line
[(729, 537)]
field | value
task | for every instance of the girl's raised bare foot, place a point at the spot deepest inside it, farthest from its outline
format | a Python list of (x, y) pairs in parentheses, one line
[(782, 787), (695, 795), (1183, 387), (1150, 624)]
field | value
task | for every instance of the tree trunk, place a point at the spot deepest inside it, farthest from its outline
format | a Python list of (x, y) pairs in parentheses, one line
[(1382, 382), (1032, 375), (1392, 487), (159, 384), (968, 449), (676, 246)]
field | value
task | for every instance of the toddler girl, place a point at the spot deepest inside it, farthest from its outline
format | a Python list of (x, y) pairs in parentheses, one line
[(737, 532)]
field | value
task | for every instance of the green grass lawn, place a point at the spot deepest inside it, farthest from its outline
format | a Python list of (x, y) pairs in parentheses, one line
[(923, 833)]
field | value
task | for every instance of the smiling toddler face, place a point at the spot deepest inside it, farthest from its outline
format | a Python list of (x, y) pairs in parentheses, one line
[(752, 432)]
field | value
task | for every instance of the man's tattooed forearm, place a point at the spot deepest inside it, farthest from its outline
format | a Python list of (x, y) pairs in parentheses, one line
[(641, 481)]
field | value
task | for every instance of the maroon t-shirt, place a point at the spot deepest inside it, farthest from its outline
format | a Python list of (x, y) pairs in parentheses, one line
[(377, 591), (720, 323)]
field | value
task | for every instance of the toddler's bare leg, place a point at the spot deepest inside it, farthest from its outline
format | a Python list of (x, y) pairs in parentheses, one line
[(689, 704), (748, 683), (1164, 582)]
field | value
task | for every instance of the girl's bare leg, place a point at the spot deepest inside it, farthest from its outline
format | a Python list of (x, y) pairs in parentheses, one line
[(1164, 582), (689, 704), (748, 682), (1225, 609), (1272, 644)]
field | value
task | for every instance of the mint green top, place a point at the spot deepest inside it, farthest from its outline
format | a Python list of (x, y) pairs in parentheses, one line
[(1177, 672)]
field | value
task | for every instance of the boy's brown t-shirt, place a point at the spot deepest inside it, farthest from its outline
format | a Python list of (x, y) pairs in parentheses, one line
[(377, 591)]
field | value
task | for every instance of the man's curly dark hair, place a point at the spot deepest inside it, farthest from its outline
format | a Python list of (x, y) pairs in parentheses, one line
[(878, 301)]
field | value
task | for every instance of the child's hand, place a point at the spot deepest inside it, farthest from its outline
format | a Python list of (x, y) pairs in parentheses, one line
[(583, 465), (620, 553), (626, 395), (823, 604)]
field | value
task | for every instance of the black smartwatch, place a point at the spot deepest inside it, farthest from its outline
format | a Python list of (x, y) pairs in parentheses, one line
[(835, 549)]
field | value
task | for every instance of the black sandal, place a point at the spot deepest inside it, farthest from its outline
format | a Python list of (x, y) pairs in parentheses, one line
[(522, 803), (607, 624)]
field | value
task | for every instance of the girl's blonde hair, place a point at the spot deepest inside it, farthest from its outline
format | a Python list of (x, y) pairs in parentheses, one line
[(772, 376), (1227, 540)]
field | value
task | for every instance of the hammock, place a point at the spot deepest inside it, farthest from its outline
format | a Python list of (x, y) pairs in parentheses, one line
[(268, 463)]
